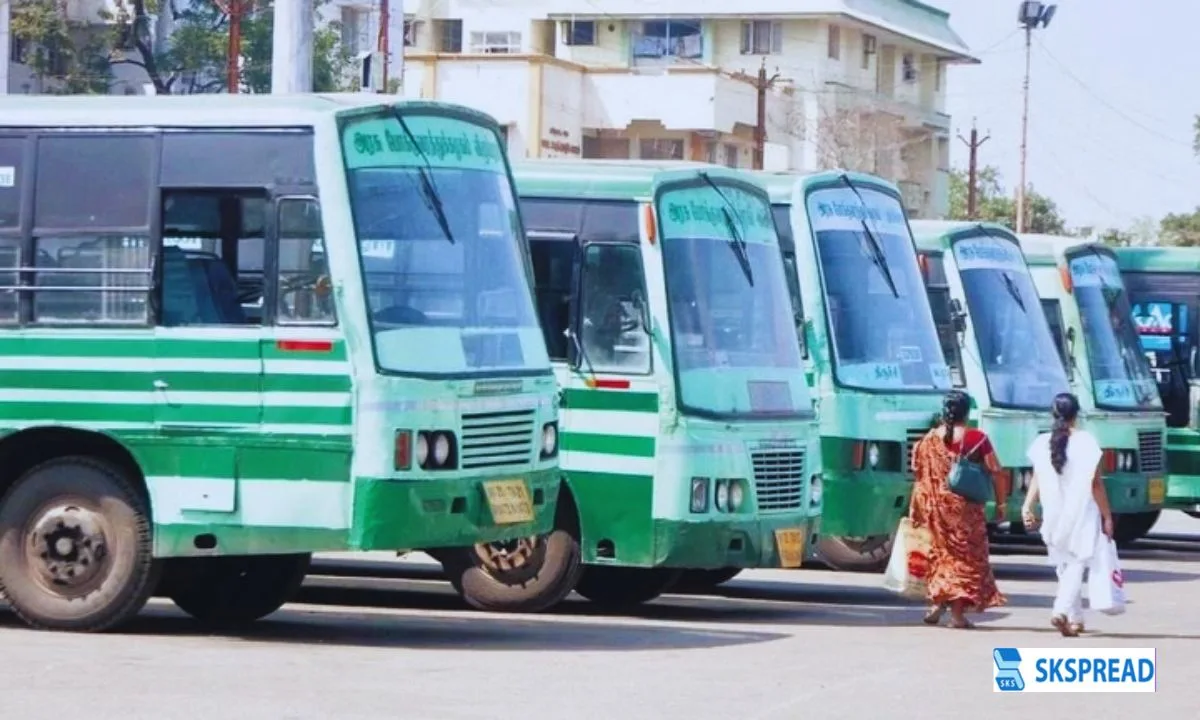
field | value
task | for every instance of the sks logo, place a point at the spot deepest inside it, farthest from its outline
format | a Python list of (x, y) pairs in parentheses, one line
[(1008, 670)]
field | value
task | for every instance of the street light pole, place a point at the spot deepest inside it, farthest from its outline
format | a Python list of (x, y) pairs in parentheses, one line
[(1032, 15)]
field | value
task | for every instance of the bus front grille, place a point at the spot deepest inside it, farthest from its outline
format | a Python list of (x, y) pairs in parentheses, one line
[(778, 479), (1150, 451), (911, 438), (496, 439)]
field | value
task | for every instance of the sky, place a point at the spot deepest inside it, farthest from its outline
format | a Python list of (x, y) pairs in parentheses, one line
[(1114, 90)]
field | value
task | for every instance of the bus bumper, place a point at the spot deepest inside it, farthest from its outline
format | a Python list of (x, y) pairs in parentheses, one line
[(1134, 493), (1183, 492), (709, 545), (863, 503), (391, 514)]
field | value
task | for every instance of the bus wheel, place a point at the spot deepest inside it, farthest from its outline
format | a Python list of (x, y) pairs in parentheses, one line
[(526, 575), (620, 587), (75, 546), (1128, 527), (233, 589), (696, 580), (856, 554)]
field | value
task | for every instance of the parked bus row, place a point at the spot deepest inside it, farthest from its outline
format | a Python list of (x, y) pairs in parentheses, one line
[(241, 330)]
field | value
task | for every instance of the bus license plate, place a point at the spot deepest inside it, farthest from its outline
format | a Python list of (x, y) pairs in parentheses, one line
[(791, 547), (509, 501), (1156, 491)]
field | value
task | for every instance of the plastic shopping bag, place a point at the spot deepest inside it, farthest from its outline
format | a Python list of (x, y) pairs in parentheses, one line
[(908, 567), (1106, 584)]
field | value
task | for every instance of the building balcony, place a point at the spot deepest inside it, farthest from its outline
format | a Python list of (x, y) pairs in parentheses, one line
[(915, 115), (681, 98)]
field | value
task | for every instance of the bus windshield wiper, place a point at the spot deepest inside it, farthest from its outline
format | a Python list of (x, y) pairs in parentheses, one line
[(1014, 291), (877, 255), (430, 194), (736, 242)]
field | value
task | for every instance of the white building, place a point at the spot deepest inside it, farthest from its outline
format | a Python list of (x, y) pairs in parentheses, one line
[(861, 82)]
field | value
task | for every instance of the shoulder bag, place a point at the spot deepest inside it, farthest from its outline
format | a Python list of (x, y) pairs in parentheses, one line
[(968, 479)]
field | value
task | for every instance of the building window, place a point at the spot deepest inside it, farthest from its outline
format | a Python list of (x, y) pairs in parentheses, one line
[(450, 37), (938, 69), (16, 49), (660, 149), (411, 29), (835, 42), (732, 153), (909, 68), (356, 30), (762, 37), (495, 42), (579, 32), (868, 50), (669, 39)]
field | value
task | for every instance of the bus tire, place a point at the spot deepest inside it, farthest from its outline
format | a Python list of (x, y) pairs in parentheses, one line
[(234, 590), (624, 587), (545, 578), (75, 546), (1128, 527), (696, 580), (868, 554)]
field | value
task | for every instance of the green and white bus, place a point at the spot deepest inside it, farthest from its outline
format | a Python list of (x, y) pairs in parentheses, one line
[(1088, 308), (688, 434), (996, 339), (1164, 289), (236, 330), (874, 358)]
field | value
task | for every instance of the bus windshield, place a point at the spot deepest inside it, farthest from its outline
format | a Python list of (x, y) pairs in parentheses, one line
[(884, 338), (1020, 361), (1121, 376), (732, 330), (438, 231)]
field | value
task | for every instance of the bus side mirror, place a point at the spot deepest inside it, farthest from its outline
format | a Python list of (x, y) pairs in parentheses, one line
[(802, 325), (1071, 342), (958, 316)]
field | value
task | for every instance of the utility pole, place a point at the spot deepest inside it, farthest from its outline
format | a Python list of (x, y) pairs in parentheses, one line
[(1032, 15), (384, 23), (761, 85), (292, 43), (5, 44), (234, 9), (972, 169)]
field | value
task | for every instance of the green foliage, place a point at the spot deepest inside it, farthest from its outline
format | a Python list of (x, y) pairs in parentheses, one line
[(996, 204), (1181, 229), (71, 58)]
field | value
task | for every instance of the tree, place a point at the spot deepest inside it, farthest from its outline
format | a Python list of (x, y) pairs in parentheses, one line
[(1181, 229), (994, 203), (1196, 136), (73, 58)]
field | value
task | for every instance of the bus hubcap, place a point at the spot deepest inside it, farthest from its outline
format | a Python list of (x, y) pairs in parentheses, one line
[(67, 548), (511, 561)]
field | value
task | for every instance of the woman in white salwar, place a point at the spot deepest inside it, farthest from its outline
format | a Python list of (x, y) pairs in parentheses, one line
[(1076, 517)]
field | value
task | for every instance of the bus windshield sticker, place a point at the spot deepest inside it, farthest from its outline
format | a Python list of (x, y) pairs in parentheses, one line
[(840, 209), (699, 212), (447, 142), (1095, 271), (988, 253), (940, 372), (8, 176)]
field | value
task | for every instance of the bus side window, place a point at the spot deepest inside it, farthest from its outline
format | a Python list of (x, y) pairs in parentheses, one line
[(304, 293), (939, 303), (612, 309), (1054, 319), (553, 266)]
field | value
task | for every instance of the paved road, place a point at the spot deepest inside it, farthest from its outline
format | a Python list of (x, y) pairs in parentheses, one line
[(773, 645)]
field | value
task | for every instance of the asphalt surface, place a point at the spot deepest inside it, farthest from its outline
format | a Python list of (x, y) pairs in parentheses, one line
[(374, 637)]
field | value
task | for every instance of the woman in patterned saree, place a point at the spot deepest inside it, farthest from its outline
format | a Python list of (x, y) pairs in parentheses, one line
[(960, 571)]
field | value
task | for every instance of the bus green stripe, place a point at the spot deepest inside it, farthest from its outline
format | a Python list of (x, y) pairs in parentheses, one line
[(150, 346), (578, 399), (179, 381), (81, 412), (629, 445)]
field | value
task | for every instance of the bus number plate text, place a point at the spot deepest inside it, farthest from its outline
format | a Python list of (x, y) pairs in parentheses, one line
[(791, 547), (509, 501), (1156, 491)]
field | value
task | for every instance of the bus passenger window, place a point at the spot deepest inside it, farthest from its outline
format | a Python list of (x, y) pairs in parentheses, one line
[(305, 288), (613, 308)]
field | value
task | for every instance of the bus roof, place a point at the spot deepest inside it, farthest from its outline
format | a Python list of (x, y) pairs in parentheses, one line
[(604, 179), (779, 184), (209, 110), (934, 235), (1171, 259), (1044, 249)]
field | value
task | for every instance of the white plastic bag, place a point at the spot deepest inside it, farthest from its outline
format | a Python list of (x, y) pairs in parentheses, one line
[(908, 566), (1106, 584)]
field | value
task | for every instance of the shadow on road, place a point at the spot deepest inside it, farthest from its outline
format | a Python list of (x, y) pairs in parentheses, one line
[(1039, 571)]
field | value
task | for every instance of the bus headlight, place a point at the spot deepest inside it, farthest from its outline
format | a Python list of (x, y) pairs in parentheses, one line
[(422, 449), (549, 440), (1127, 461), (737, 495), (814, 490), (721, 496), (873, 455), (699, 495)]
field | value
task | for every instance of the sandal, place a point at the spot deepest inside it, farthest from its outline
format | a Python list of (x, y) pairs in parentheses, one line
[(1077, 628), (961, 624), (934, 615), (1064, 626)]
